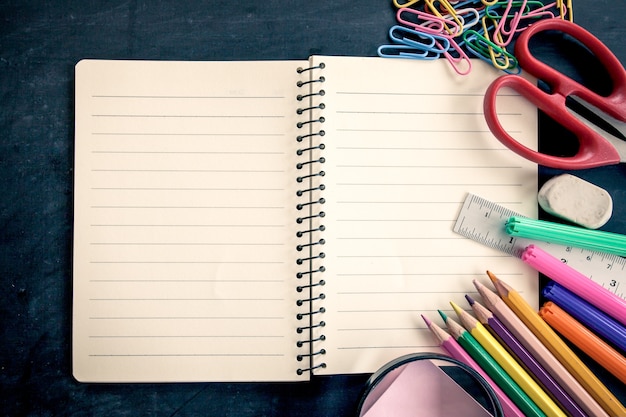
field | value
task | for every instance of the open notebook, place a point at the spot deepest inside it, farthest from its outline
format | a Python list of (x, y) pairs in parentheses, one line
[(249, 221)]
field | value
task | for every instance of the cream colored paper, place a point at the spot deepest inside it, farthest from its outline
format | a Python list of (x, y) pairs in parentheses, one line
[(184, 207), (185, 196), (405, 142)]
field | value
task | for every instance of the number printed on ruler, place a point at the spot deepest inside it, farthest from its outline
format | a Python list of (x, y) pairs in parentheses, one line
[(484, 221)]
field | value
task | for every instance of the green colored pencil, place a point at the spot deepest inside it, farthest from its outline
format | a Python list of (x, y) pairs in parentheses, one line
[(495, 371)]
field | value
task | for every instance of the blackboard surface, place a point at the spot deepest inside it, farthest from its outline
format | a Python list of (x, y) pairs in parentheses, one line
[(40, 42)]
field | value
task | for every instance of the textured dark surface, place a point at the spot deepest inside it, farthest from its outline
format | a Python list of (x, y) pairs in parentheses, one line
[(40, 42)]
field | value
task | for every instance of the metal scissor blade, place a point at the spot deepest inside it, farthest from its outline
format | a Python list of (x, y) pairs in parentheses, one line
[(609, 127)]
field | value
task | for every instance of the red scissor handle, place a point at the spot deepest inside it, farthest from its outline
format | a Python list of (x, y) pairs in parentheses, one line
[(594, 149)]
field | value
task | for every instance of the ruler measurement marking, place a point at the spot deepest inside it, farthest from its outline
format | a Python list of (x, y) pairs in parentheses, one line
[(483, 221)]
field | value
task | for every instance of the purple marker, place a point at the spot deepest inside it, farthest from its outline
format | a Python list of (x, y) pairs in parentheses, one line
[(524, 357), (594, 319)]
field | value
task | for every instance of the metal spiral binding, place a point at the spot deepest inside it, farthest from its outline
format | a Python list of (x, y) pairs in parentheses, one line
[(311, 215)]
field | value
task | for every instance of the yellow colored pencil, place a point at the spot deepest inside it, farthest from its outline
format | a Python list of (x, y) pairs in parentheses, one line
[(508, 363), (559, 349)]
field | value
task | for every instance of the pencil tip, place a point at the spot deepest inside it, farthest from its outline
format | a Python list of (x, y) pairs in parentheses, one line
[(426, 320), (492, 277), (470, 300), (501, 287), (443, 315), (455, 307)]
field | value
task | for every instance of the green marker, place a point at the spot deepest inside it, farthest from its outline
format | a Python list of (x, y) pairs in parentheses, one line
[(580, 237)]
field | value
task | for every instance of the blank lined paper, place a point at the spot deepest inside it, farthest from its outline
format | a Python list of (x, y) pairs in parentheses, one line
[(186, 227), (184, 204), (402, 152)]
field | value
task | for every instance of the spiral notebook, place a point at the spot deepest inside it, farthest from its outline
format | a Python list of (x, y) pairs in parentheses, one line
[(266, 221)]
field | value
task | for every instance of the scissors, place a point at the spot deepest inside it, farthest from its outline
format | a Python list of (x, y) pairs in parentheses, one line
[(596, 147)]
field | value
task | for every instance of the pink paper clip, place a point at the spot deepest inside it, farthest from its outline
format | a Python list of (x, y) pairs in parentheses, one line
[(512, 26), (427, 22), (456, 61)]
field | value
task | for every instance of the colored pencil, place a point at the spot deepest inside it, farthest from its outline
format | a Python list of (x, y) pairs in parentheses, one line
[(576, 282), (455, 350), (597, 321), (508, 363), (559, 349), (521, 354), (539, 351), (585, 339), (491, 367)]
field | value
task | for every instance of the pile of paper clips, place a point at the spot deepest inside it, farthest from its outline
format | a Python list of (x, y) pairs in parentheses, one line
[(456, 30)]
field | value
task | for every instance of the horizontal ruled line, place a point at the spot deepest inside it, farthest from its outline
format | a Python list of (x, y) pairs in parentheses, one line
[(416, 148), (186, 318), (386, 347), (420, 130), (151, 281), (191, 116), (132, 336), (189, 225), (504, 255), (439, 274), (188, 262), (400, 202), (182, 189), (429, 184), (432, 166), (401, 238), (411, 113), (380, 311), (399, 292), (383, 329), (255, 171), (188, 207), (125, 96), (183, 244), (387, 93), (187, 134), (186, 299), (185, 152), (396, 220), (182, 355)]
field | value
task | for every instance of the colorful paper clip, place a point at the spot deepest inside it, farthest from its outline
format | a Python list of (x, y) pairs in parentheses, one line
[(481, 28), (405, 51), (419, 39)]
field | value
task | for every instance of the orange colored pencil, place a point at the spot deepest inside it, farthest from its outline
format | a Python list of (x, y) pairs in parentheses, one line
[(585, 339), (559, 349)]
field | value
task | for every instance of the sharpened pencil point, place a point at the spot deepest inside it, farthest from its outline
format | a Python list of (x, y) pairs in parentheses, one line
[(426, 320), (492, 277), (470, 300), (456, 307), (443, 315)]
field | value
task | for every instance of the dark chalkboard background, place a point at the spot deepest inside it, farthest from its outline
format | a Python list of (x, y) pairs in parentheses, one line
[(40, 42)]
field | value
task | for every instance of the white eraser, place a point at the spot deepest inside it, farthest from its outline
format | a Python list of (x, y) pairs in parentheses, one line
[(576, 200)]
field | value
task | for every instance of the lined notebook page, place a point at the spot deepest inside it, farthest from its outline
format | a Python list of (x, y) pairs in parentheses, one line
[(405, 142), (184, 204)]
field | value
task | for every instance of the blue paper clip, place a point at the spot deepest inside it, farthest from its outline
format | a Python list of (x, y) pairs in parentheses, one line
[(405, 51), (419, 40)]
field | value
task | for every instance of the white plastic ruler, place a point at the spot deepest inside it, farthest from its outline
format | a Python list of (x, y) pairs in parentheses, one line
[(484, 221)]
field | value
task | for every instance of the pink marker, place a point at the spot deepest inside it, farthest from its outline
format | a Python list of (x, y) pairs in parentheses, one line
[(576, 282), (457, 352)]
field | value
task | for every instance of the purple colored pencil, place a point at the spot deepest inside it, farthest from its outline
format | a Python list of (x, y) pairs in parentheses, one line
[(522, 355)]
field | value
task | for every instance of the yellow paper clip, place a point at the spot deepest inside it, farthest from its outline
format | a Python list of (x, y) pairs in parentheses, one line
[(451, 12), (407, 4)]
